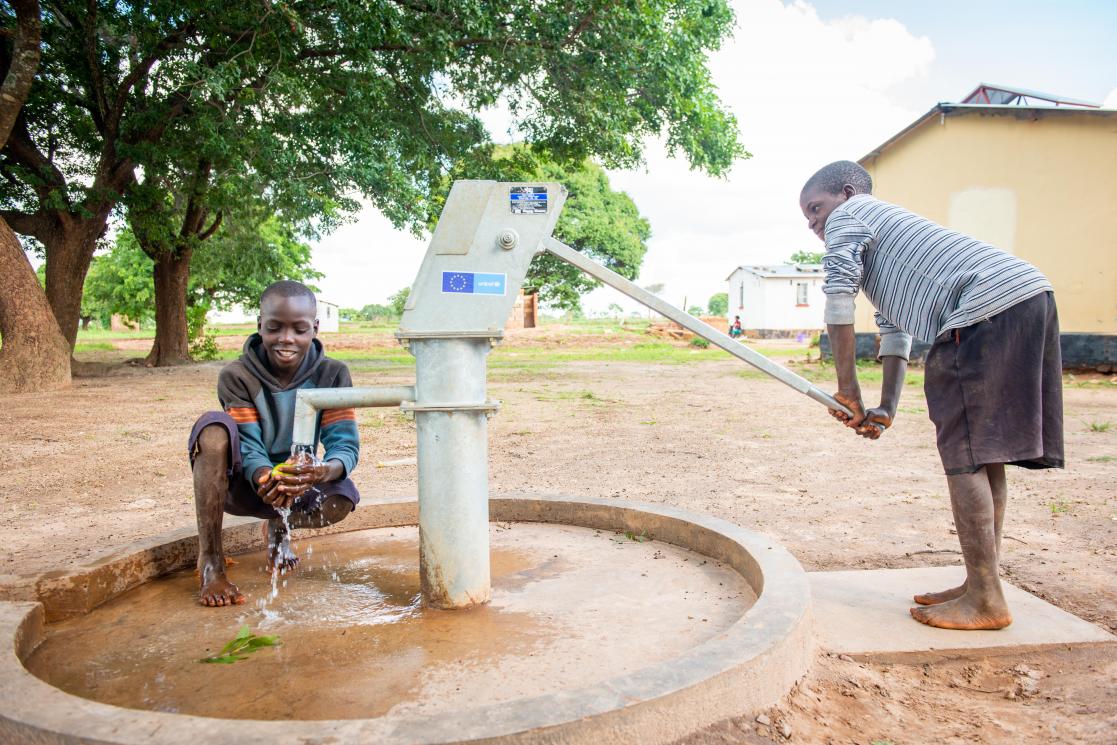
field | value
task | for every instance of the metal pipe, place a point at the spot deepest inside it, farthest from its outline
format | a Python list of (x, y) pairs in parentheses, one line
[(309, 401), (689, 322), (451, 425)]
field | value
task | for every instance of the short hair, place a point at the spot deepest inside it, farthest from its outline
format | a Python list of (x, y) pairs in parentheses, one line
[(288, 288), (833, 177)]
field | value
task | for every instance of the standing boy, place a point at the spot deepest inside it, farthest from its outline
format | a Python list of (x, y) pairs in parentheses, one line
[(993, 376), (233, 451)]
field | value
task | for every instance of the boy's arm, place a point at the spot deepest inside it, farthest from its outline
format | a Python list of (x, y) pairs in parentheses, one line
[(846, 239), (895, 347), (237, 403), (338, 433)]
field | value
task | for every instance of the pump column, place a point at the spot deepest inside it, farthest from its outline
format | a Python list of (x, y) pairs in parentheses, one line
[(451, 423)]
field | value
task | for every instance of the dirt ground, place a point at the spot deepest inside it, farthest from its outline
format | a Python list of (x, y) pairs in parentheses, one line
[(104, 464)]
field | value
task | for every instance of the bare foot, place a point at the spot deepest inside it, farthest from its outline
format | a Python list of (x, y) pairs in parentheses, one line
[(934, 598), (219, 591), (280, 554), (964, 613)]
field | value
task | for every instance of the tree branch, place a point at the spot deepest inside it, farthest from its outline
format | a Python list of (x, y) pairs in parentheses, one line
[(139, 71), (96, 80), (22, 65), (212, 228)]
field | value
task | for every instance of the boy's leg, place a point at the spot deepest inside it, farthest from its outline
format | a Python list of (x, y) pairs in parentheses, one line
[(982, 604), (210, 486), (998, 484)]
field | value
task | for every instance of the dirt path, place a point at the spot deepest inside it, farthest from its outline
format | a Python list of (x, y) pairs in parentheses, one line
[(104, 464)]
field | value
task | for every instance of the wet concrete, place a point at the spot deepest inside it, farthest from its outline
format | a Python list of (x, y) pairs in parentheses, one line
[(571, 607)]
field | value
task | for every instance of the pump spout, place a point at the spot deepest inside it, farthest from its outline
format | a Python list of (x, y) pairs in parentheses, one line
[(309, 401), (689, 322)]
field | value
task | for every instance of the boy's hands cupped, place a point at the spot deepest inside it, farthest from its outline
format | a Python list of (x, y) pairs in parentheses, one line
[(282, 485)]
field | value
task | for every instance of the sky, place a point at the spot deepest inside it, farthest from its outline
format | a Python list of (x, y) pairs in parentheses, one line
[(810, 83)]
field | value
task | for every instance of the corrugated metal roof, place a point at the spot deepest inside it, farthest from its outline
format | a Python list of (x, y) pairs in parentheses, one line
[(990, 93), (781, 271)]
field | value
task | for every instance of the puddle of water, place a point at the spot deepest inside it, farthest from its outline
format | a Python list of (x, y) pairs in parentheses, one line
[(571, 607)]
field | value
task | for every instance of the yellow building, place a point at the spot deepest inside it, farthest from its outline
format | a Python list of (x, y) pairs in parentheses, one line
[(1037, 181)]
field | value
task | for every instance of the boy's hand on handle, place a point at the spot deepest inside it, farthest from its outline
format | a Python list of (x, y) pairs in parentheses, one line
[(876, 421), (853, 403)]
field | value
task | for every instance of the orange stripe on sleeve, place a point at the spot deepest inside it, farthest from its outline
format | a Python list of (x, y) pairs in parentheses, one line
[(333, 416), (243, 415)]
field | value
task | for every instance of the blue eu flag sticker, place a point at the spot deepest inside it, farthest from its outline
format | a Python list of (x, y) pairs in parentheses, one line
[(457, 282)]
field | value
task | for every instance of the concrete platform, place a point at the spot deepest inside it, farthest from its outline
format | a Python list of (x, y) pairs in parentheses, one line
[(865, 614)]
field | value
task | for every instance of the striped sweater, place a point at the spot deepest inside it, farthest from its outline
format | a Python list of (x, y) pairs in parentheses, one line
[(265, 412), (922, 278)]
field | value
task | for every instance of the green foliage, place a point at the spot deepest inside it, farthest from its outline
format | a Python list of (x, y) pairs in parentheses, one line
[(719, 304), (371, 312), (243, 258), (1100, 426), (397, 301), (315, 104), (700, 343), (694, 310), (231, 269), (240, 646), (807, 257), (120, 282)]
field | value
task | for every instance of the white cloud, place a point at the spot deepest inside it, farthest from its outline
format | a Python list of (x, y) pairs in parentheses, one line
[(805, 92)]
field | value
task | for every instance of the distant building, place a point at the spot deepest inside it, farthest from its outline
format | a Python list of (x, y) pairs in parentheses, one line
[(777, 300), (328, 318), (1031, 173)]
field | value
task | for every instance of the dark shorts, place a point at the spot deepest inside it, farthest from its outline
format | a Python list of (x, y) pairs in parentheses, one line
[(995, 390), (241, 498)]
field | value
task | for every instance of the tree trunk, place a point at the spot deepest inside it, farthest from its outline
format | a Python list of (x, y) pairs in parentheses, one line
[(172, 273), (34, 355), (69, 252)]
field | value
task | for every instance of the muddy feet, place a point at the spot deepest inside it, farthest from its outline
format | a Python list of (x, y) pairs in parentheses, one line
[(217, 590), (966, 613), (934, 598), (278, 540)]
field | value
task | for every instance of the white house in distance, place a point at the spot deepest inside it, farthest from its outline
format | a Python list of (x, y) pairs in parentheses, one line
[(327, 316), (779, 300)]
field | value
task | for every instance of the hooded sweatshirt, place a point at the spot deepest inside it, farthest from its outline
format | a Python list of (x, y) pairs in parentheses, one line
[(265, 411)]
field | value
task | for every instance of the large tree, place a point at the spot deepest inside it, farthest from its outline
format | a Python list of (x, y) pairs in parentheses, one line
[(33, 353), (371, 99)]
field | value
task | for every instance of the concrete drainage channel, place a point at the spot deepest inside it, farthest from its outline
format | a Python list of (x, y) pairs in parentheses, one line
[(745, 666)]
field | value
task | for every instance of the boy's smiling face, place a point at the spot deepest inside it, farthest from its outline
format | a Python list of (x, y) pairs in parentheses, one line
[(287, 326), (817, 204)]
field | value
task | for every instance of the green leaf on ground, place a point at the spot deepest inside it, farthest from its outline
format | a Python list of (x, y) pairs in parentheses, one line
[(240, 646)]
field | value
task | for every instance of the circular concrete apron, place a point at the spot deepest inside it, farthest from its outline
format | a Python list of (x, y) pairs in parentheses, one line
[(747, 664)]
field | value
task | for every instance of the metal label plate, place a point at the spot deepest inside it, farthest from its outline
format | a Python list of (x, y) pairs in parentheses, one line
[(528, 200)]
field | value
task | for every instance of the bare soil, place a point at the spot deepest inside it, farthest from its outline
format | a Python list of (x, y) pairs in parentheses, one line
[(104, 464)]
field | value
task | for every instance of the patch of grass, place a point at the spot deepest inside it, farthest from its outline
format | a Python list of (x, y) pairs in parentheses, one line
[(649, 422), (93, 346), (700, 343), (1100, 426), (1059, 507), (912, 410), (1101, 459)]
